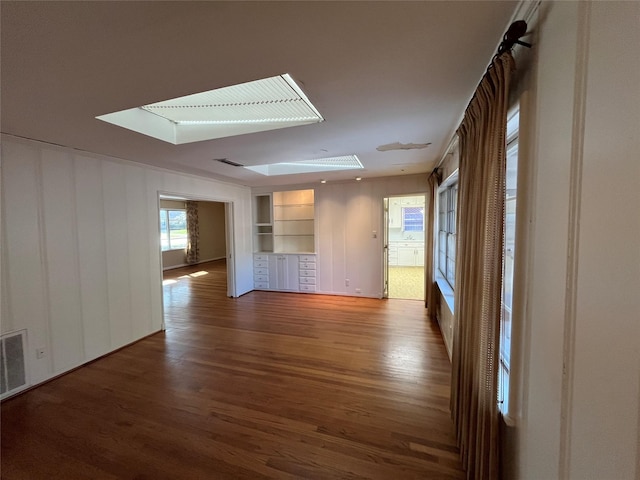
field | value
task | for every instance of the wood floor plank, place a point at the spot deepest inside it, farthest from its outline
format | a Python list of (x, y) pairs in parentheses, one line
[(268, 385)]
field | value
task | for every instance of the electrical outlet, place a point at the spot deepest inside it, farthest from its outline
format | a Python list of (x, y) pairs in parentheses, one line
[(39, 353), (346, 282), (358, 290)]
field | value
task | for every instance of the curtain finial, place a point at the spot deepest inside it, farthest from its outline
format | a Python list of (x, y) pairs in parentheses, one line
[(512, 36)]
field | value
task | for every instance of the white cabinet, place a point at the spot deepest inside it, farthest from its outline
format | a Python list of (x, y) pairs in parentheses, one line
[(393, 255), (307, 273), (284, 272), (406, 254), (261, 271), (395, 213)]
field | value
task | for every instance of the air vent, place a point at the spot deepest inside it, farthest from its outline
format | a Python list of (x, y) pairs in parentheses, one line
[(228, 162), (13, 366)]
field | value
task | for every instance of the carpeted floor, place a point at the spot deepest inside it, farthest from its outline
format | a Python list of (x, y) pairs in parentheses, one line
[(406, 283)]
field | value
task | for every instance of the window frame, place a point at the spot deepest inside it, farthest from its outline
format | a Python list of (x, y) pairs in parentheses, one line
[(447, 236), (403, 211), (166, 212), (505, 351)]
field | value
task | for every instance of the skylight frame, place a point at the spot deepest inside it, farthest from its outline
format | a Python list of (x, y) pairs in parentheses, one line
[(318, 165), (251, 107)]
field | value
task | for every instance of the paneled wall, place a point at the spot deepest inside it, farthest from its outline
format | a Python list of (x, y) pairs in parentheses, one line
[(347, 214), (81, 252)]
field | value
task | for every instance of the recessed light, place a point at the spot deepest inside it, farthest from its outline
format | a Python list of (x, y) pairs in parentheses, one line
[(358, 178), (323, 181)]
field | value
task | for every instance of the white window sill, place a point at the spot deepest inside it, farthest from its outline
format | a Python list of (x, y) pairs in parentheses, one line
[(445, 290)]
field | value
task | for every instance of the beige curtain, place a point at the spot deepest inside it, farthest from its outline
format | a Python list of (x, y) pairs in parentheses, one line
[(431, 294), (193, 233), (481, 191)]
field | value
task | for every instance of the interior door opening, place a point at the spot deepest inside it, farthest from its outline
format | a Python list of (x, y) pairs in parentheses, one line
[(404, 247), (195, 240)]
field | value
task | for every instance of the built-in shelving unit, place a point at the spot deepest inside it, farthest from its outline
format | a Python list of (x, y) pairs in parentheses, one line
[(284, 222), (284, 234), (263, 223), (293, 226)]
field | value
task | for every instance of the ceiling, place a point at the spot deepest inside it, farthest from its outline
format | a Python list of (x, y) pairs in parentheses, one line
[(378, 72)]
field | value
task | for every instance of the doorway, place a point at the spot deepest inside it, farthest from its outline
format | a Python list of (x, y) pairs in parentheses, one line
[(213, 222), (404, 247)]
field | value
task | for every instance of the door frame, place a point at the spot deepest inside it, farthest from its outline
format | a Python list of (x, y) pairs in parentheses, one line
[(385, 247), (386, 205), (229, 237)]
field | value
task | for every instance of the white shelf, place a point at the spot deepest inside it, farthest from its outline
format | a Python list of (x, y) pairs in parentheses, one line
[(286, 224)]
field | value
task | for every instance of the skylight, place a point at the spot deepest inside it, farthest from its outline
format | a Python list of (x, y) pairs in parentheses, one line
[(348, 162), (261, 105)]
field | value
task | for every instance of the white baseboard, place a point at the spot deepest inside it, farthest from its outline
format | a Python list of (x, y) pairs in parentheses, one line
[(190, 264)]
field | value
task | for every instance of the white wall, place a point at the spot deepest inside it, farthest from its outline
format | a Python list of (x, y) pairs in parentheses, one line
[(80, 250), (580, 344), (212, 227), (347, 214)]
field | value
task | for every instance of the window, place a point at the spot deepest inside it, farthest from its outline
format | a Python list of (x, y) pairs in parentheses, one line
[(173, 229), (413, 219), (447, 205), (508, 254)]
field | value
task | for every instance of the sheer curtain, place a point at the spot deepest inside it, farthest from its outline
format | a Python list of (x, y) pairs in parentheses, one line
[(193, 233), (481, 187)]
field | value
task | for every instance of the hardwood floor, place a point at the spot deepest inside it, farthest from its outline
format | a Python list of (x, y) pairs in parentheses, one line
[(268, 385)]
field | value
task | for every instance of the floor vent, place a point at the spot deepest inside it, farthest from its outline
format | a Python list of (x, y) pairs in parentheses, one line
[(13, 365)]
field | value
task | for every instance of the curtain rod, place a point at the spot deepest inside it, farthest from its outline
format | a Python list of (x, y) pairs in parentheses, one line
[(511, 37)]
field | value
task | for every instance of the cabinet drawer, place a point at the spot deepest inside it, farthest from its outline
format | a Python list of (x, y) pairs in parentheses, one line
[(260, 264), (307, 266), (307, 288), (308, 273), (261, 284), (261, 278), (307, 280), (261, 271), (261, 258), (308, 258)]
